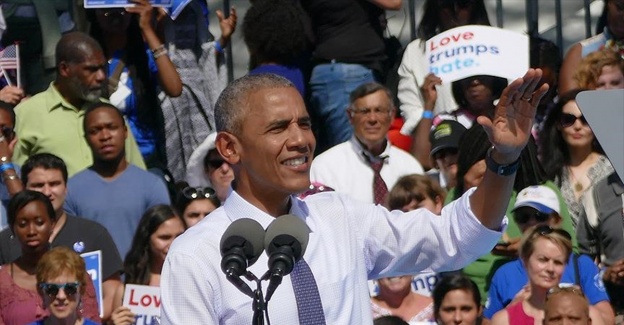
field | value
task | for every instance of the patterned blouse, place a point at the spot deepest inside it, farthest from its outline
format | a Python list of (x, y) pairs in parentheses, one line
[(601, 169)]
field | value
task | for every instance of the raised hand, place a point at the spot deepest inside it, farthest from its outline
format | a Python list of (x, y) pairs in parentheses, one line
[(429, 91), (144, 9), (510, 127), (227, 25)]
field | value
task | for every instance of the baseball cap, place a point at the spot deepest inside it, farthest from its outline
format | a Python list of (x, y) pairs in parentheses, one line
[(446, 135), (539, 197)]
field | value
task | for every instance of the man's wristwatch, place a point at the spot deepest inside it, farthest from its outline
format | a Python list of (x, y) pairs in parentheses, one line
[(501, 170)]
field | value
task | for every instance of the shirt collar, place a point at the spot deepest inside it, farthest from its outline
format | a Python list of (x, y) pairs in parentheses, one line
[(367, 155), (236, 207), (57, 99)]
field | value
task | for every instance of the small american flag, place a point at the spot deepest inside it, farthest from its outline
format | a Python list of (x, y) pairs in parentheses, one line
[(8, 58)]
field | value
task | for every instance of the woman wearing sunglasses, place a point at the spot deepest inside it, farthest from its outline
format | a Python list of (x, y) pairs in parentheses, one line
[(544, 252), (158, 227), (539, 206), (194, 203), (62, 279), (31, 218), (571, 155)]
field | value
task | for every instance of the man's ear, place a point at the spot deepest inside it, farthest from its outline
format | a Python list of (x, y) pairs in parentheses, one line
[(228, 147), (63, 69)]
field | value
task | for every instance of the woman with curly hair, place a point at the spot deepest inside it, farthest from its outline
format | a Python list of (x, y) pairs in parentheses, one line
[(158, 227), (602, 69), (571, 155)]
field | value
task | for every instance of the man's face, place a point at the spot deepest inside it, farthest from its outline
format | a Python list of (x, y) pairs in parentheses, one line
[(105, 132), (86, 79), (566, 309), (274, 149), (371, 116), (49, 182)]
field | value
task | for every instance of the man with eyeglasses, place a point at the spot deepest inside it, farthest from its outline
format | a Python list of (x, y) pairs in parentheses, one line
[(539, 206), (367, 165)]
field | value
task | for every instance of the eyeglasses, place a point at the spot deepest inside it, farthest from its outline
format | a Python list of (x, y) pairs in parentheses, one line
[(216, 163), (524, 216), (567, 120), (193, 193), (547, 230), (571, 289), (378, 111), (52, 289), (114, 12)]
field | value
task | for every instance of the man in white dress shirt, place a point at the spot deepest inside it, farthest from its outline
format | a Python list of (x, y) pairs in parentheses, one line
[(265, 134), (346, 167)]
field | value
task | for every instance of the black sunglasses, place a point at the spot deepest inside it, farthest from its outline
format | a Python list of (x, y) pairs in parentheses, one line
[(567, 120), (523, 216), (52, 289), (193, 193), (216, 163), (546, 230)]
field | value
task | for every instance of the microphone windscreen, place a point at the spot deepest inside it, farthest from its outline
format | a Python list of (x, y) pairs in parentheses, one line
[(246, 234), (287, 230)]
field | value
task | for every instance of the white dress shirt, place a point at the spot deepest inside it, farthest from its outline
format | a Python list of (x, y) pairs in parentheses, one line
[(412, 72), (349, 243), (345, 169)]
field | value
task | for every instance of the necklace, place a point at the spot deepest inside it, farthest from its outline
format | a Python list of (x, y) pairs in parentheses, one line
[(578, 186)]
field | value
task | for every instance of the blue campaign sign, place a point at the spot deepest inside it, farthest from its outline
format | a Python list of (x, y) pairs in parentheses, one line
[(90, 4), (93, 263)]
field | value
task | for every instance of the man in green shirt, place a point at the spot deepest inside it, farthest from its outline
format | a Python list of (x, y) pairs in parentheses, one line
[(51, 121)]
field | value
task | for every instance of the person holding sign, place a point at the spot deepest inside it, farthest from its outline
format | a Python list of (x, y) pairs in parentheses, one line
[(415, 79), (62, 280), (158, 227)]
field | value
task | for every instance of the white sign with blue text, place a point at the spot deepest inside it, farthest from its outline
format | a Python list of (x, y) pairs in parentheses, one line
[(91, 4), (93, 263), (477, 50), (144, 302)]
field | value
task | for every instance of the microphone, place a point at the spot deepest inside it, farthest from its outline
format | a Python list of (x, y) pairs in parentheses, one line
[(285, 242), (241, 245)]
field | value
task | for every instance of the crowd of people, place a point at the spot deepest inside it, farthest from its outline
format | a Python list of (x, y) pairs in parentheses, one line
[(125, 138)]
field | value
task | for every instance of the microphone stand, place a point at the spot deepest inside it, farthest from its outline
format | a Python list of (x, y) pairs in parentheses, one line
[(258, 306)]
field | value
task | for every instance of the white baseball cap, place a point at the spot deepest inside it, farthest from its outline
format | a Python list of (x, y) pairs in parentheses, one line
[(539, 197)]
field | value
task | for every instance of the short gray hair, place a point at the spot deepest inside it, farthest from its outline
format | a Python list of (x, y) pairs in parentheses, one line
[(369, 88), (230, 107)]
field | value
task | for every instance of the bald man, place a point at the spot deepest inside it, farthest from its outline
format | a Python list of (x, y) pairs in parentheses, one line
[(51, 121), (567, 306)]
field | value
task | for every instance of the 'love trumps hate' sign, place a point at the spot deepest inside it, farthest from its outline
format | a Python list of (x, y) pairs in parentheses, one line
[(477, 50)]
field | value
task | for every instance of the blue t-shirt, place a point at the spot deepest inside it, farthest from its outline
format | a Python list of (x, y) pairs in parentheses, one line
[(291, 73), (118, 204), (511, 277)]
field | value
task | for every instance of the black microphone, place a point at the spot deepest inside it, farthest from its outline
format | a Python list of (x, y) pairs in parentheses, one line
[(241, 245), (285, 242)]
